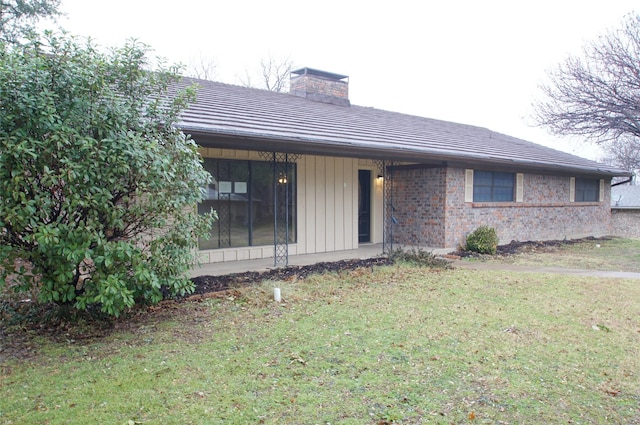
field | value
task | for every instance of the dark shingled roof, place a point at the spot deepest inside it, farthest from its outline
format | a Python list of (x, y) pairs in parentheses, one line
[(237, 117), (625, 197)]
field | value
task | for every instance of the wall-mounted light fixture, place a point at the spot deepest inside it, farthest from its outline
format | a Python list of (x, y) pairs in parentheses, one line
[(380, 177)]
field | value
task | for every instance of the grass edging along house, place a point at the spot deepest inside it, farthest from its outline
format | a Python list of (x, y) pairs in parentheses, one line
[(307, 172)]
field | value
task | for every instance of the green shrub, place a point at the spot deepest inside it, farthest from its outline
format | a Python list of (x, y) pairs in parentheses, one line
[(483, 240), (95, 180)]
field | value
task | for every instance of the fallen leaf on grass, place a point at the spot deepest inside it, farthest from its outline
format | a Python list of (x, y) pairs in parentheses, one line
[(295, 358), (612, 392), (599, 327)]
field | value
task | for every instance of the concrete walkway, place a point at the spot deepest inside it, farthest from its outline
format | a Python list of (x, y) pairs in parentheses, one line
[(476, 265), (374, 250)]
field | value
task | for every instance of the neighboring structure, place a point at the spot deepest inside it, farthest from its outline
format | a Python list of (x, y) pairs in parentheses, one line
[(308, 172), (625, 211)]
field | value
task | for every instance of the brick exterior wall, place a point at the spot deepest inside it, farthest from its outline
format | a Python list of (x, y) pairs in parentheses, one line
[(625, 222), (431, 210), (419, 201)]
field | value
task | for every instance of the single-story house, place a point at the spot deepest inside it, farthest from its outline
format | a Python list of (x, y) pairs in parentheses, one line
[(307, 172), (625, 211)]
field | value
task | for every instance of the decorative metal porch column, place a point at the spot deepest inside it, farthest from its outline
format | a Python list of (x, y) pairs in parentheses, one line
[(281, 167), (388, 216)]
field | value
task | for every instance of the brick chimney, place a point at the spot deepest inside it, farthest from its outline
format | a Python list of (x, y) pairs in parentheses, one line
[(320, 86)]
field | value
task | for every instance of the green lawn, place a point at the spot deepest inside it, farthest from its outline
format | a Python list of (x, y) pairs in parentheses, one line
[(399, 344)]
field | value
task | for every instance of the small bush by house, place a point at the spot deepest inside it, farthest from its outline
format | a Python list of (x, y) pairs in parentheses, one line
[(483, 240)]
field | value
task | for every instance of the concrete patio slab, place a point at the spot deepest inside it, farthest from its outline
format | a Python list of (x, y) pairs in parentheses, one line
[(364, 251)]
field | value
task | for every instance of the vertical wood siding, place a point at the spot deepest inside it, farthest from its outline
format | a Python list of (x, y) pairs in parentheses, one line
[(327, 204)]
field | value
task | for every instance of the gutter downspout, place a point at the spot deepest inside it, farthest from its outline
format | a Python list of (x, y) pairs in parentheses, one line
[(629, 180)]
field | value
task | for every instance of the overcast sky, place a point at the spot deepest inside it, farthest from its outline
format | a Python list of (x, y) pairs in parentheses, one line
[(469, 61)]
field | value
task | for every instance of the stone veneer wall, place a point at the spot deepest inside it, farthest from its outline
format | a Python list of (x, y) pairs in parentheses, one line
[(419, 201), (425, 217), (625, 222)]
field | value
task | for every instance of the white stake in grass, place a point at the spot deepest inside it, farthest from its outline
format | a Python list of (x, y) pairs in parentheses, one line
[(276, 295)]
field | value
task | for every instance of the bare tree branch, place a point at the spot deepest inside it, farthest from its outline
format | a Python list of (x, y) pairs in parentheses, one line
[(597, 95), (273, 75), (201, 67), (624, 152)]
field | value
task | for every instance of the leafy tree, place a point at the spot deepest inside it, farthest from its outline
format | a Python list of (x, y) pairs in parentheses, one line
[(17, 17), (596, 94), (97, 186)]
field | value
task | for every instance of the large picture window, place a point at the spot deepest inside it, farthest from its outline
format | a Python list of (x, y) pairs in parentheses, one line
[(493, 186), (587, 190), (244, 195)]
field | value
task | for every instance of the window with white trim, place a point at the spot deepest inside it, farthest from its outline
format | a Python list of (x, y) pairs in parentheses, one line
[(586, 190), (493, 186)]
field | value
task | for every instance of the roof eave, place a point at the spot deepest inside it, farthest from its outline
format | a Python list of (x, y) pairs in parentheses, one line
[(208, 137)]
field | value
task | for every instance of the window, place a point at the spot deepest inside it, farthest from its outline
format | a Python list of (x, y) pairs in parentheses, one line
[(587, 190), (493, 186), (243, 194)]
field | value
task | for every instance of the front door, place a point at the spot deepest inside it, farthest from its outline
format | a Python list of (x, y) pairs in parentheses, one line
[(364, 206)]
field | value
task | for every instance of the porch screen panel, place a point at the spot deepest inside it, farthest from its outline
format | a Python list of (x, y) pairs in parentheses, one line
[(243, 194)]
